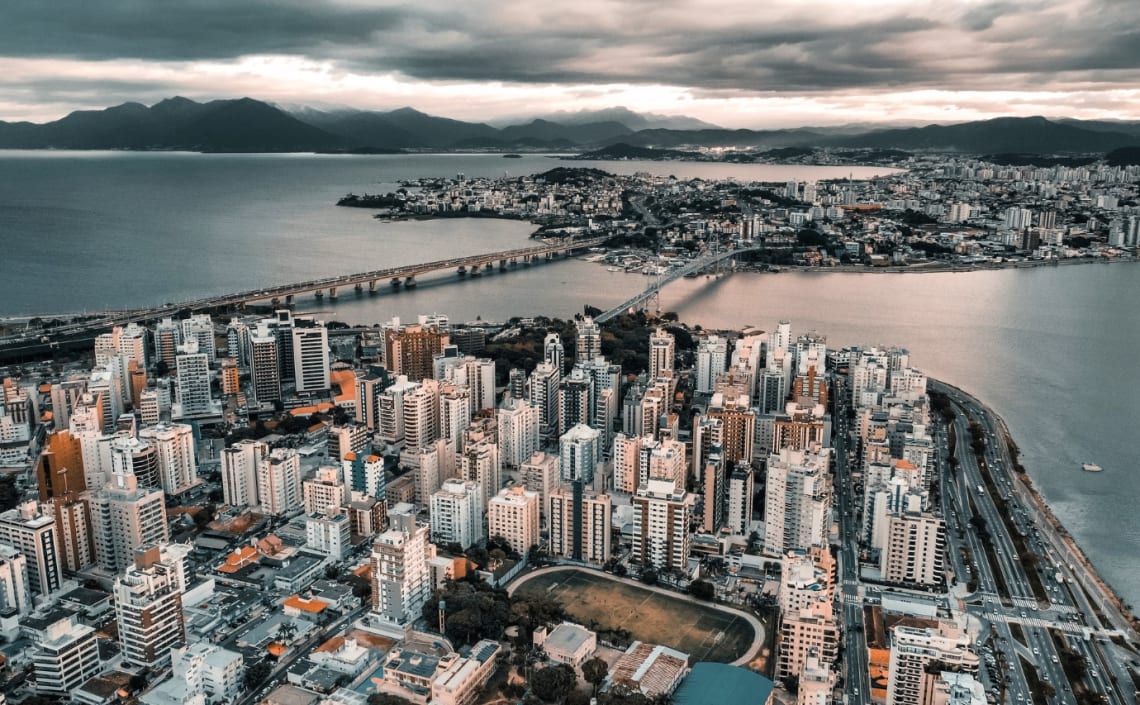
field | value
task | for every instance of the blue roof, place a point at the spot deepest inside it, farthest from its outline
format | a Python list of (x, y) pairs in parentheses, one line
[(718, 683)]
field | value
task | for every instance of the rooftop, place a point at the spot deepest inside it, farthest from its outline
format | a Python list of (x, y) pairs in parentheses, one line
[(567, 638), (719, 683)]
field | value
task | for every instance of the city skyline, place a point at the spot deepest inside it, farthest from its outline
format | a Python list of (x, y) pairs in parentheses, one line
[(787, 66)]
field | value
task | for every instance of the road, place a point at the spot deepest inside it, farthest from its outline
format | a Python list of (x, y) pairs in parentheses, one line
[(1066, 607), (855, 667)]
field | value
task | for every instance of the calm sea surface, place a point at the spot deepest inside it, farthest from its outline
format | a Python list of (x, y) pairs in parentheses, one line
[(1053, 350)]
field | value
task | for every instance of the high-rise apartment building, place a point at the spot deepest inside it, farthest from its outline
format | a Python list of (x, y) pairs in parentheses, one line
[(279, 482), (34, 534), (193, 377), (64, 652), (542, 387), (200, 329), (808, 630), (401, 579), (579, 523), (148, 608), (661, 517), (125, 517), (174, 449), (797, 501), (914, 649), (324, 493), (264, 366), (738, 509), (14, 584), (311, 358), (239, 472), (915, 546), (589, 341), (578, 453), (541, 473), (712, 356), (408, 350), (519, 423), (662, 353), (553, 352), (457, 513), (513, 514)]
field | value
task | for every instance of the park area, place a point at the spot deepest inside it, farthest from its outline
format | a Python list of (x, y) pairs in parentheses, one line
[(605, 604)]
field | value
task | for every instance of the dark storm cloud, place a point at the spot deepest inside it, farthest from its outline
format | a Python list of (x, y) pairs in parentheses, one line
[(189, 29), (1015, 45)]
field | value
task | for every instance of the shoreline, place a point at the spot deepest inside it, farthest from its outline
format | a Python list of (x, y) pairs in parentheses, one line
[(1025, 489)]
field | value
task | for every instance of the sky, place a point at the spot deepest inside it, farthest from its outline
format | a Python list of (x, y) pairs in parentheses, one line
[(755, 64)]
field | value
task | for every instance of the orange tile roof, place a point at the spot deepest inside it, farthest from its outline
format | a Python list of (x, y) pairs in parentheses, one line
[(246, 555), (903, 464), (313, 606), (350, 455), (346, 380), (276, 648)]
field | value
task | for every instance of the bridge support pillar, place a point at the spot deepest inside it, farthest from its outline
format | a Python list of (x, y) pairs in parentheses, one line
[(288, 299), (332, 293), (503, 264), (319, 293), (490, 266), (372, 287), (359, 287), (410, 283), (462, 271), (275, 301), (396, 281)]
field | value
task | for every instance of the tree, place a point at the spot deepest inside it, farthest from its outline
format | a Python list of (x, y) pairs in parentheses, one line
[(792, 684), (256, 674), (702, 590), (286, 631), (649, 577), (620, 570), (553, 682), (595, 671)]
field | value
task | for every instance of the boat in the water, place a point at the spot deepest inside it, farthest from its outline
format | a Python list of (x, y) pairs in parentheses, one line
[(1091, 467)]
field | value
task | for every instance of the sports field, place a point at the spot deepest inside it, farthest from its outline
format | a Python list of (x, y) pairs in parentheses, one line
[(703, 632)]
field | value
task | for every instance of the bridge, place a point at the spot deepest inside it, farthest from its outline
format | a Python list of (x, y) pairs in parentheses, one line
[(659, 283), (396, 277)]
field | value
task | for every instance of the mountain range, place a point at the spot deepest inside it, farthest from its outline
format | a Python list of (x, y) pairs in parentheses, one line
[(248, 125)]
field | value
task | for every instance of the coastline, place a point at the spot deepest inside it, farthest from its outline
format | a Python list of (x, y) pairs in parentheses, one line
[(1029, 496), (919, 269)]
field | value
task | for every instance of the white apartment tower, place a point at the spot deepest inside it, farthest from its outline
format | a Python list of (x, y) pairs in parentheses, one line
[(14, 584), (553, 353), (457, 513), (712, 355), (401, 579), (311, 358), (578, 451), (125, 517), (519, 424), (915, 648), (193, 374), (239, 472), (174, 447), (797, 500), (279, 482)]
